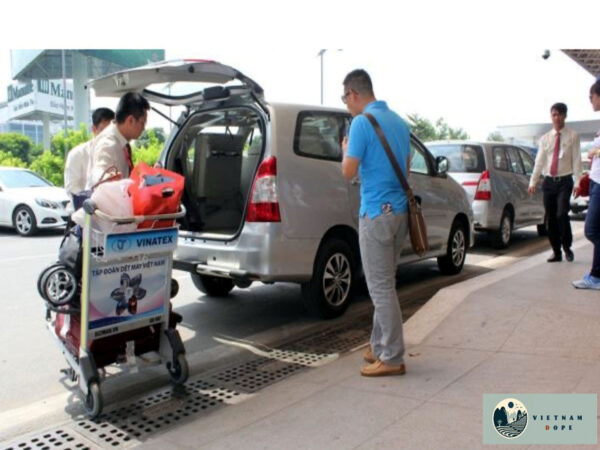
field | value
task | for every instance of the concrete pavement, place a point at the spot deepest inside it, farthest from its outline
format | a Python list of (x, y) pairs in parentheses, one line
[(526, 315)]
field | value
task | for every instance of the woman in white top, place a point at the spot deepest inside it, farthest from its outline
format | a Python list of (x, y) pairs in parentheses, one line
[(592, 219)]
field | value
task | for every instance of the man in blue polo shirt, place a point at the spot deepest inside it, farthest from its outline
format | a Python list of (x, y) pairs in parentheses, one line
[(383, 219)]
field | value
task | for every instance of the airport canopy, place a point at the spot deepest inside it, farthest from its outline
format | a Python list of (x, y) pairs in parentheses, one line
[(47, 64), (589, 59)]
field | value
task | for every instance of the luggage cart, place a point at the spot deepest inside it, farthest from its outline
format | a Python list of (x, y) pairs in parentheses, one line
[(125, 309)]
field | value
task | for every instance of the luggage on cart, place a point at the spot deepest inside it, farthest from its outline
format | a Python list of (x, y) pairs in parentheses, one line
[(111, 303)]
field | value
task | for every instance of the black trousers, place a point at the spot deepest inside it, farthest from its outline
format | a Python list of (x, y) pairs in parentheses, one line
[(557, 195)]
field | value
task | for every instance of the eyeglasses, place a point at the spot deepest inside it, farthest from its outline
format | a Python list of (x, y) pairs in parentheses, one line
[(346, 94)]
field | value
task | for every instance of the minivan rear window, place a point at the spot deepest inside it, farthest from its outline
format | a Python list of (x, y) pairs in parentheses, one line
[(461, 158)]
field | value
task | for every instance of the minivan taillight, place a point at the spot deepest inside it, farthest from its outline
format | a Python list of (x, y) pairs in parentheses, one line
[(264, 202), (484, 187)]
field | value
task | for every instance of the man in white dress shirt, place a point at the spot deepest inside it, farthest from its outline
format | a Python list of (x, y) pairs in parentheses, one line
[(111, 147), (76, 165), (559, 160)]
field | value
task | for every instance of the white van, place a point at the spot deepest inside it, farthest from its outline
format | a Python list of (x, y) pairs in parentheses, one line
[(264, 192)]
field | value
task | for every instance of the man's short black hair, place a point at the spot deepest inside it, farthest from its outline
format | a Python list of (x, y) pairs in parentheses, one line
[(595, 88), (131, 104), (102, 114), (561, 108), (359, 81)]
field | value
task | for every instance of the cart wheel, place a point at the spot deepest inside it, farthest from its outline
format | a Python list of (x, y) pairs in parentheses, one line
[(93, 400), (59, 285), (179, 370), (43, 273), (174, 287)]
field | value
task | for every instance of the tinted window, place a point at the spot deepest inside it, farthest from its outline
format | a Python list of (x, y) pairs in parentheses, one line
[(320, 135), (461, 158), (527, 162), (500, 158), (514, 160), (418, 163), (21, 178)]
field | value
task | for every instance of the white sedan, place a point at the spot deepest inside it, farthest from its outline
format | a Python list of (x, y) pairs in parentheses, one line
[(29, 202)]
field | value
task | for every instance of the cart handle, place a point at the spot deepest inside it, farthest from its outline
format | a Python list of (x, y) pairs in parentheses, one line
[(90, 208)]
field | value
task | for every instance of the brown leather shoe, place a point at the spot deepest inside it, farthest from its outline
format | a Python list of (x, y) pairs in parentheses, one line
[(381, 369), (368, 355)]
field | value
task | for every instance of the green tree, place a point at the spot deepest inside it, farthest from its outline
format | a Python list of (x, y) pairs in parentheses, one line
[(422, 128), (426, 131), (7, 159), (17, 144), (50, 166), (60, 144), (151, 135), (149, 148), (495, 136)]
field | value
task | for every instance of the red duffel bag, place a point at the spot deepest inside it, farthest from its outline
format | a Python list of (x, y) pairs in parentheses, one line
[(155, 191)]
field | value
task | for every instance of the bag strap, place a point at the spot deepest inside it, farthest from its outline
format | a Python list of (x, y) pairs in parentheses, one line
[(388, 151), (116, 175)]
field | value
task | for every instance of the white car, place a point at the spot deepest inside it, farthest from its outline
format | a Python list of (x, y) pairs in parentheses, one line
[(29, 202)]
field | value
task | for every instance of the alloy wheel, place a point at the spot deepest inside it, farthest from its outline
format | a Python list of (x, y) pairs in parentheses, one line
[(337, 279), (458, 247)]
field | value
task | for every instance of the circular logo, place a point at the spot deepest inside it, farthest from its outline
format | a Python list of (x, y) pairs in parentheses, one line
[(120, 245), (510, 418)]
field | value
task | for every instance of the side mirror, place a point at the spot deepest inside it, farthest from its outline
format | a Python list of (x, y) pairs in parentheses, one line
[(441, 165)]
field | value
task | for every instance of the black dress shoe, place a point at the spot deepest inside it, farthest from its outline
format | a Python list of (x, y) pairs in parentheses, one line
[(569, 255), (555, 258)]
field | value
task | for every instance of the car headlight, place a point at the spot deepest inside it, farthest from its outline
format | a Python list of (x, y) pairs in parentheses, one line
[(46, 203)]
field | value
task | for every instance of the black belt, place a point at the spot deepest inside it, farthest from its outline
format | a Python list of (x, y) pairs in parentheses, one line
[(557, 179)]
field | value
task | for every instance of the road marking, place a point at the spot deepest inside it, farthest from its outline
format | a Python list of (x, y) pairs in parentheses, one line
[(22, 258)]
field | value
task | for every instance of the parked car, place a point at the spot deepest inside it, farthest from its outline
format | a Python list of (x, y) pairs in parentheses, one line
[(579, 205), (29, 202), (495, 177), (264, 193)]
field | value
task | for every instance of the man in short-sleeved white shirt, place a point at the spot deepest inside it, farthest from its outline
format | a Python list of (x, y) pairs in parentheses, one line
[(76, 165), (111, 147)]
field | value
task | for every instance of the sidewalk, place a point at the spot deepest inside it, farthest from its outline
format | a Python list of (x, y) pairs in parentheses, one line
[(525, 317)]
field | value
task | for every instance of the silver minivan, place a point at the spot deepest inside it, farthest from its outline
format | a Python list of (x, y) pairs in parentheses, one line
[(495, 177), (264, 194)]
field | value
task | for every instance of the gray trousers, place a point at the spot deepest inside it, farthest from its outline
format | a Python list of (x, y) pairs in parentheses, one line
[(381, 241)]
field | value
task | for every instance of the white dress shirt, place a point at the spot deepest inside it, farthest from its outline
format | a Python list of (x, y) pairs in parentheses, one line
[(76, 168), (107, 150), (569, 156)]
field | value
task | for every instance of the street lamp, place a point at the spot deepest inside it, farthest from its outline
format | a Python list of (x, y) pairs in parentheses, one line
[(320, 54)]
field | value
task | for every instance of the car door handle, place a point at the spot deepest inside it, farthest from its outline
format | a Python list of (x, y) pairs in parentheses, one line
[(355, 181)]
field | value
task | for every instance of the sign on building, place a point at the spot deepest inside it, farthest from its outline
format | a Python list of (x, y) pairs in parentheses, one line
[(31, 100)]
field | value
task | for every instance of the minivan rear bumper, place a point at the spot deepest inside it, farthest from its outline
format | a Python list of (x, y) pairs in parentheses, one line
[(259, 253)]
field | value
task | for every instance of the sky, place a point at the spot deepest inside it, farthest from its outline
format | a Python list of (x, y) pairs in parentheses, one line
[(478, 65)]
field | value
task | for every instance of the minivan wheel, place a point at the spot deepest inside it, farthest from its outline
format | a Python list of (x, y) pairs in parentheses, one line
[(454, 259), (327, 294), (213, 286), (501, 237)]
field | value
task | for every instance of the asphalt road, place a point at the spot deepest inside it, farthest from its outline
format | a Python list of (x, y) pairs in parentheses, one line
[(30, 362)]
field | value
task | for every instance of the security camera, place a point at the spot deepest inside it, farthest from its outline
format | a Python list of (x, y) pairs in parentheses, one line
[(546, 54)]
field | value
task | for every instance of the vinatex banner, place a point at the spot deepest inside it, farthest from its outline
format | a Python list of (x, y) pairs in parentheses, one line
[(124, 293)]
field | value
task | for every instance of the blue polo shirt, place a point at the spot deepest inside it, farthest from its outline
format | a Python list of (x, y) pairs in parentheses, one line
[(379, 182)]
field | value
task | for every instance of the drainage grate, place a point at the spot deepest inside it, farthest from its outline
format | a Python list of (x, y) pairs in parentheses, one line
[(55, 439), (129, 424)]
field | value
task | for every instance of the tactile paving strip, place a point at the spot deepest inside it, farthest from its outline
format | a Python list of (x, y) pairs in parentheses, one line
[(129, 424), (63, 439)]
